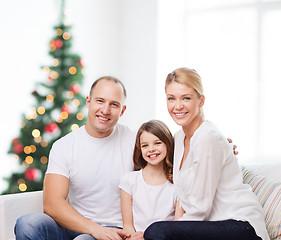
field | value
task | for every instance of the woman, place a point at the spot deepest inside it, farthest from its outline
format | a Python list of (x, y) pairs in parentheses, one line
[(208, 181)]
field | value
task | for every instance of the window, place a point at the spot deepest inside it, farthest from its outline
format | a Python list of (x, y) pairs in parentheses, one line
[(235, 47)]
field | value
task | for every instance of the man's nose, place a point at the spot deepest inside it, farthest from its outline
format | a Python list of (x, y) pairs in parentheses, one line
[(106, 108)]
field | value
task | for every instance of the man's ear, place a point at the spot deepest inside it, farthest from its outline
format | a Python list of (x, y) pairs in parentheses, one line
[(87, 101), (123, 110)]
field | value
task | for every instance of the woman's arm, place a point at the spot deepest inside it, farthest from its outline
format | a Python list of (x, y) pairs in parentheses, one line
[(127, 212), (201, 177), (178, 211)]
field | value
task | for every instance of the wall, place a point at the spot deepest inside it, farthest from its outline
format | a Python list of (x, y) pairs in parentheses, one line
[(116, 38)]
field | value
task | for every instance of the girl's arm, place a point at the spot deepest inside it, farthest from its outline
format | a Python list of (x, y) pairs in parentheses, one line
[(178, 211), (127, 212)]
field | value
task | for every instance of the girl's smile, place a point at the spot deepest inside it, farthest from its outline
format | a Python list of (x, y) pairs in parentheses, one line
[(153, 149)]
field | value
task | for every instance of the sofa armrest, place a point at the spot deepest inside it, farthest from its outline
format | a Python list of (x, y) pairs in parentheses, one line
[(12, 206)]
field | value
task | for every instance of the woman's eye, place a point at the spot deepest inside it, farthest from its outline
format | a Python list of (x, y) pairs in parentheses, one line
[(186, 98), (171, 99)]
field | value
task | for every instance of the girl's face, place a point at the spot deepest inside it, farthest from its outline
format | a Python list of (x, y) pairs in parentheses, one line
[(153, 149), (183, 103)]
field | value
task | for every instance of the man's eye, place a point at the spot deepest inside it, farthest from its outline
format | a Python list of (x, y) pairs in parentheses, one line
[(114, 105)]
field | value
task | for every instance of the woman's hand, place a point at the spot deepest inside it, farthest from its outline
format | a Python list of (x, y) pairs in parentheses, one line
[(179, 211), (234, 146)]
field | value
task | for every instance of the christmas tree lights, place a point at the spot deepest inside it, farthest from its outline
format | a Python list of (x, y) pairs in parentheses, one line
[(58, 110)]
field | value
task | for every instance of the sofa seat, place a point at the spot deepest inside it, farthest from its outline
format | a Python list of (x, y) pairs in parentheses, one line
[(265, 180)]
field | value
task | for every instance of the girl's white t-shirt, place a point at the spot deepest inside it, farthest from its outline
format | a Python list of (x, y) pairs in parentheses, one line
[(150, 203)]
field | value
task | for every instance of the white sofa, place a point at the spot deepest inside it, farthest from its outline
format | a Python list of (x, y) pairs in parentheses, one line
[(260, 177)]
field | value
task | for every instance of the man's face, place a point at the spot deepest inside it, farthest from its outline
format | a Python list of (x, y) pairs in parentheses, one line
[(105, 106)]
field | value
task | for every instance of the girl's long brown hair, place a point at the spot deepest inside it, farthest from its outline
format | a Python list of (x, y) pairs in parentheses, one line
[(160, 130)]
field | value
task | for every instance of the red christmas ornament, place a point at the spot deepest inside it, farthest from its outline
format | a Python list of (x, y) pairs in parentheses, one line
[(65, 109), (18, 148), (51, 127), (75, 88), (15, 140), (58, 43), (80, 63), (32, 174)]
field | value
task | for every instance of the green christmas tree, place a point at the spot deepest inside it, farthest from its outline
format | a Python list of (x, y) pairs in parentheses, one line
[(59, 109)]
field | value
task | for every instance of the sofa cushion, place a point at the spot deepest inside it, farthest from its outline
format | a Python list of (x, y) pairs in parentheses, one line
[(268, 193)]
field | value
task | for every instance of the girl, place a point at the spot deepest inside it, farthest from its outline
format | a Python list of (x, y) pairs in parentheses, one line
[(148, 195), (208, 181)]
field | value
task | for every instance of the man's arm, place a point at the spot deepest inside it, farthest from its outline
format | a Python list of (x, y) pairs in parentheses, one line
[(55, 193)]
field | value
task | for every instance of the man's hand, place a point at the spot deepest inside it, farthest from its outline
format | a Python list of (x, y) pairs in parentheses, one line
[(106, 233), (136, 236), (234, 146)]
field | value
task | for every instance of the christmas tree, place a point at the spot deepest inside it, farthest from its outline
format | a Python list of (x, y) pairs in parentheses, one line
[(58, 110)]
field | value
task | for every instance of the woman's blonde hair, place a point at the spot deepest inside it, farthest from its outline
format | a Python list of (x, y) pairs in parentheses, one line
[(188, 77)]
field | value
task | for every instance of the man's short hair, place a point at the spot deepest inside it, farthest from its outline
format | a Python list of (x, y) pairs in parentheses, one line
[(109, 78)]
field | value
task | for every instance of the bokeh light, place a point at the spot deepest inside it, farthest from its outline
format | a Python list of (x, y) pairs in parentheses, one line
[(69, 94), (76, 102), (80, 116), (66, 35), (64, 115), (43, 160), (74, 127), (59, 31), (72, 70), (41, 110), (29, 160), (44, 143), (35, 133), (50, 98), (22, 187)]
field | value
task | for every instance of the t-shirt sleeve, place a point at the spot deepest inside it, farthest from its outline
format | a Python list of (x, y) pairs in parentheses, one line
[(58, 160), (126, 183)]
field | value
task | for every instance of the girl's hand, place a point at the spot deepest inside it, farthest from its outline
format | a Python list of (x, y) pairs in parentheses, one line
[(136, 236)]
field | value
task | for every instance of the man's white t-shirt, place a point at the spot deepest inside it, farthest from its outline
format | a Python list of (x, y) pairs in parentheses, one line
[(94, 167), (150, 203)]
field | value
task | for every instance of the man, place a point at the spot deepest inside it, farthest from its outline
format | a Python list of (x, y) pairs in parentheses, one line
[(81, 193)]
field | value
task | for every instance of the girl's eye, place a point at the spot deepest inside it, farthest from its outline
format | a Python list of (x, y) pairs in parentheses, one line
[(144, 145), (158, 143)]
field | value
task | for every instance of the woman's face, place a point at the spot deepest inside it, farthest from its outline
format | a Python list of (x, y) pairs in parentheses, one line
[(183, 104)]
